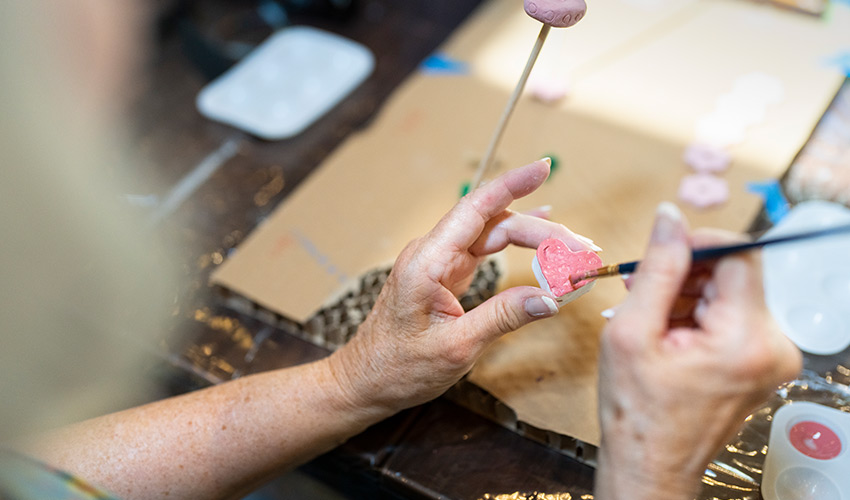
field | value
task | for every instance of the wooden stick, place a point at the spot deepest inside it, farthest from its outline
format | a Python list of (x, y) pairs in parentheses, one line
[(509, 109)]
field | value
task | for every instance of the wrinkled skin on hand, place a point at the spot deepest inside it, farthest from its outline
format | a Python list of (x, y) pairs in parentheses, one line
[(417, 341), (686, 357)]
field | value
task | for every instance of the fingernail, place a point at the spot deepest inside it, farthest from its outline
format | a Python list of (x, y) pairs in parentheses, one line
[(547, 160), (608, 313), (668, 220), (545, 208), (627, 281), (541, 306), (593, 246)]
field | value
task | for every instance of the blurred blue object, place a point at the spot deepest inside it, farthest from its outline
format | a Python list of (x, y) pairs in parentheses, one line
[(443, 64), (841, 61), (775, 203)]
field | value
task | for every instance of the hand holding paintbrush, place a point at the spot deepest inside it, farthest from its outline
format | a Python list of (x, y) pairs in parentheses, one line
[(689, 353)]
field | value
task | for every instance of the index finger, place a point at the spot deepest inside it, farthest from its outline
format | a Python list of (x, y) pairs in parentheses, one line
[(526, 231), (660, 275), (460, 228)]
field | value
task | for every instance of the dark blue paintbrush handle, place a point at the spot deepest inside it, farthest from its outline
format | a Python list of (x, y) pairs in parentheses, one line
[(722, 251)]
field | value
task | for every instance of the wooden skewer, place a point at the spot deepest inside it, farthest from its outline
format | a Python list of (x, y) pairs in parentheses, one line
[(487, 159)]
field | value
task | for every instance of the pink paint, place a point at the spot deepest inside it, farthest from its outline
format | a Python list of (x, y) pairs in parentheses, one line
[(557, 13), (815, 440), (557, 262)]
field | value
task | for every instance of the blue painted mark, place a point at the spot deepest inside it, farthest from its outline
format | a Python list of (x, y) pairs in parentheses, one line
[(775, 203), (272, 13), (441, 64), (840, 61), (323, 260)]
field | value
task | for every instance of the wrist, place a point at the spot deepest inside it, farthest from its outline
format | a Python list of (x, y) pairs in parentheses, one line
[(631, 470), (350, 388)]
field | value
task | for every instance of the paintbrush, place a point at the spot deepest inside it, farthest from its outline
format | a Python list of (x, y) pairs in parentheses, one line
[(710, 253)]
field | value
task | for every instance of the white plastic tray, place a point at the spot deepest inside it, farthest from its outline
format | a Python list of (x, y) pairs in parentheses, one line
[(287, 83), (807, 283)]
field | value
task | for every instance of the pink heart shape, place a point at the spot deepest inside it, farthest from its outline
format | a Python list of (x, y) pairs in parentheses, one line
[(557, 262)]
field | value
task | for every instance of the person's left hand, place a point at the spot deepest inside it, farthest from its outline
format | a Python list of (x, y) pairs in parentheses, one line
[(686, 357), (417, 341)]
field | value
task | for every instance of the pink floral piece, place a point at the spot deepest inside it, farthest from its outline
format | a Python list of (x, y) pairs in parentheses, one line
[(705, 158), (703, 190)]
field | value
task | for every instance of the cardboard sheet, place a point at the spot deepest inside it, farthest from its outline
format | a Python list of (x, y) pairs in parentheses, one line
[(619, 139)]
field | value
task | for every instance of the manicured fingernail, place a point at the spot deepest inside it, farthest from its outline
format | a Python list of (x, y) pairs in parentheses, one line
[(668, 220), (547, 160), (625, 276), (541, 306), (608, 313), (593, 246)]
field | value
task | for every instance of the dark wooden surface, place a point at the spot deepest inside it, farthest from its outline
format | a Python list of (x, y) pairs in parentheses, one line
[(439, 450)]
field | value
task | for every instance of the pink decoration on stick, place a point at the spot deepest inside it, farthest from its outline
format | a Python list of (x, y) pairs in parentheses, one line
[(557, 13)]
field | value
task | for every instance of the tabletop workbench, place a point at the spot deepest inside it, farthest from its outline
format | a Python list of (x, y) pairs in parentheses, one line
[(214, 185), (439, 450)]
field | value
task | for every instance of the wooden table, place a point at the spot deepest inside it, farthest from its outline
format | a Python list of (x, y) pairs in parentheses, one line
[(439, 450)]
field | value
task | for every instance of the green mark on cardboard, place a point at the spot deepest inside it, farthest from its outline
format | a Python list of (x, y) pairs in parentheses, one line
[(555, 164)]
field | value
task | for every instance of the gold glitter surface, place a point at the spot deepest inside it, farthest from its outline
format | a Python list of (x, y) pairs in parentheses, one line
[(516, 495)]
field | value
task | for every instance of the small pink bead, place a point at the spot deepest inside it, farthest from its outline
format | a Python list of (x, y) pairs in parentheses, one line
[(703, 190), (705, 158), (557, 13)]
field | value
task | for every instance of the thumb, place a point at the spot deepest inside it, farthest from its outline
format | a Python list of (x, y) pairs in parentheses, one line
[(508, 311), (662, 272)]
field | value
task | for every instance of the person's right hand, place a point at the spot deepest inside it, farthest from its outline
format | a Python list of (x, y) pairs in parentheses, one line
[(417, 341), (685, 358)]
